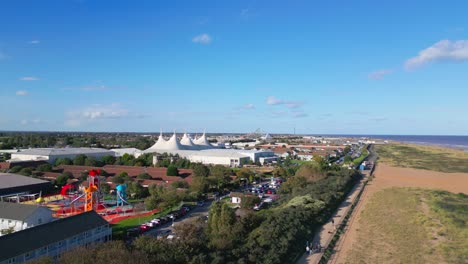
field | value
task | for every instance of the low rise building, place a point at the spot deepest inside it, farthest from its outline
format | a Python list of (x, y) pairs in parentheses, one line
[(52, 154), (16, 217), (54, 238)]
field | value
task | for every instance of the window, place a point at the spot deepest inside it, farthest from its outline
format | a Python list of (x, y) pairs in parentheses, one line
[(12, 260)]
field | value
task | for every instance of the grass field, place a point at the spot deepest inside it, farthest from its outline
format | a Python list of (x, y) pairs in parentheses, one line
[(408, 225), (423, 157)]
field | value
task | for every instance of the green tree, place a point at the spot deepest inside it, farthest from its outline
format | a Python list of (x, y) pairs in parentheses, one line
[(63, 161), (136, 190), (200, 170), (144, 176), (172, 171), (180, 184), (310, 172), (15, 169), (44, 167), (91, 161), (25, 171), (108, 159), (105, 188), (62, 179), (249, 201), (79, 160)]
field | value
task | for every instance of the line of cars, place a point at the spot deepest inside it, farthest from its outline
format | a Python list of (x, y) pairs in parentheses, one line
[(158, 222)]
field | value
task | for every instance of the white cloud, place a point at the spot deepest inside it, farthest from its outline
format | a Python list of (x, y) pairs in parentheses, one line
[(299, 114), (271, 100), (444, 50), (94, 88), (35, 41), (97, 113), (29, 78), (379, 74), (202, 39), (33, 121), (22, 93), (249, 106)]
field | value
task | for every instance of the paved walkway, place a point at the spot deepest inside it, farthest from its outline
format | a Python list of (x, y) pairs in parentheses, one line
[(326, 233)]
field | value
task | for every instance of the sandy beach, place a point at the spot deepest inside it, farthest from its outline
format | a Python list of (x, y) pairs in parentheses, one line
[(387, 176)]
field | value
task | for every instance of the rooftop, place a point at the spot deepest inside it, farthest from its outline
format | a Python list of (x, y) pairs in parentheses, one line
[(62, 151), (9, 180), (16, 211), (20, 242)]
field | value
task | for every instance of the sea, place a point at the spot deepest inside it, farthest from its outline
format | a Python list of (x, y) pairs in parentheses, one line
[(457, 142)]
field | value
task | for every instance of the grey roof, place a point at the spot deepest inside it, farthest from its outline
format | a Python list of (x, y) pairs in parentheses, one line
[(9, 180), (33, 238), (62, 151), (16, 211)]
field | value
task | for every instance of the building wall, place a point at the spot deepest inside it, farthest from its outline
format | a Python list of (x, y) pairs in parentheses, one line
[(20, 156), (40, 216), (91, 237)]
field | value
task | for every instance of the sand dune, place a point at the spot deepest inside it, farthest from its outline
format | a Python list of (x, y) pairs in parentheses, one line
[(387, 176)]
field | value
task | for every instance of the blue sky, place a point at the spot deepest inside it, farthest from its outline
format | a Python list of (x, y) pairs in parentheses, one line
[(321, 67)]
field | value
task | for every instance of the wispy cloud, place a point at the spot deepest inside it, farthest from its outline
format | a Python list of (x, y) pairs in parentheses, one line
[(442, 51), (3, 56), (25, 122), (378, 119), (249, 106), (202, 39), (22, 93), (299, 114), (379, 74), (29, 78), (94, 88), (271, 100), (99, 112), (36, 41)]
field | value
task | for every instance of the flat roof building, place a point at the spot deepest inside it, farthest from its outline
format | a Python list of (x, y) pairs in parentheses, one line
[(54, 238), (52, 154), (11, 184)]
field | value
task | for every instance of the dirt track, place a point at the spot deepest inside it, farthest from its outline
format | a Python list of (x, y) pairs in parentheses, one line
[(388, 176)]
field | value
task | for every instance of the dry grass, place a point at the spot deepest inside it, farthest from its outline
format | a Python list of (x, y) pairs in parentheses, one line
[(423, 157), (407, 225)]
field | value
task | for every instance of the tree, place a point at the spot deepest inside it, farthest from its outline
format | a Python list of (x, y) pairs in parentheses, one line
[(25, 171), (105, 187), (79, 160), (15, 169), (63, 161), (90, 161), (108, 159), (348, 159), (200, 170), (44, 167), (172, 171), (249, 201), (220, 224), (144, 176), (180, 184), (310, 172), (118, 179), (62, 179), (200, 185), (136, 190), (244, 173)]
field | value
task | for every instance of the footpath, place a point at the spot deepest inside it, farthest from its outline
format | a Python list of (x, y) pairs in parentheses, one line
[(328, 230)]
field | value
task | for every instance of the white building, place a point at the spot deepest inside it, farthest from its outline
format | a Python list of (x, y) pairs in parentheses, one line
[(21, 216), (51, 154), (54, 238), (132, 151), (200, 150)]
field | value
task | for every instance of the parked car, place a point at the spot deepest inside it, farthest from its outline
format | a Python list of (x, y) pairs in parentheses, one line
[(144, 228), (133, 232), (164, 219), (201, 203)]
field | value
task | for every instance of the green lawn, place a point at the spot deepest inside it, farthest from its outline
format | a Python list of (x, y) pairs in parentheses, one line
[(423, 157), (408, 225), (119, 229)]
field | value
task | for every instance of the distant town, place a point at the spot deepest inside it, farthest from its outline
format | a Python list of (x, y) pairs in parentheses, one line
[(124, 186)]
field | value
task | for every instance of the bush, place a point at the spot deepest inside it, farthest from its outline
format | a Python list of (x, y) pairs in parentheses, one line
[(44, 167), (15, 169), (172, 171), (144, 176), (25, 171)]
